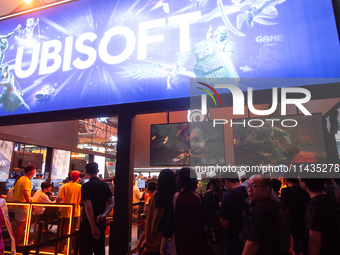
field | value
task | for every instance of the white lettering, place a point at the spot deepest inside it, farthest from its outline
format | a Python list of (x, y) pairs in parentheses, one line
[(89, 51), (130, 46), (68, 53), (46, 56), (292, 120), (184, 28), (297, 101), (33, 63), (144, 40), (250, 122), (219, 122), (262, 112), (238, 98)]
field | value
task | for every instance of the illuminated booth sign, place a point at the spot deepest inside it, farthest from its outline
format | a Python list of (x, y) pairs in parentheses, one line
[(91, 53)]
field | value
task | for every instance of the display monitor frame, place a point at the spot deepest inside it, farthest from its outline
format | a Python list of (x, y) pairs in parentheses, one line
[(186, 144), (36, 184), (141, 184), (9, 184), (279, 144)]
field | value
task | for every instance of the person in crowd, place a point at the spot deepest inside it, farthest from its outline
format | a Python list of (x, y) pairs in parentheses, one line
[(82, 178), (231, 214), (212, 206), (294, 201), (98, 203), (4, 220), (136, 196), (165, 188), (277, 186), (40, 196), (269, 229), (38, 176), (272, 192), (10, 193), (69, 193), (22, 193), (333, 190), (152, 186), (183, 218), (321, 219)]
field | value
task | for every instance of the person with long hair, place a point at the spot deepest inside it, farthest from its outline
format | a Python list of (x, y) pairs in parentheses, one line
[(183, 218), (165, 188)]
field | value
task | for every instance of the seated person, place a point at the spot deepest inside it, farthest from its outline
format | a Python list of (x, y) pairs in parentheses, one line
[(48, 213)]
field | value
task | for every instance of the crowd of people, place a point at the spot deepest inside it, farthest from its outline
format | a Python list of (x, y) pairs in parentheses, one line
[(95, 195), (260, 215), (236, 216)]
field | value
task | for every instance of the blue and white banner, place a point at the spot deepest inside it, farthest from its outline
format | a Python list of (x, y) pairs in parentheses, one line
[(92, 53)]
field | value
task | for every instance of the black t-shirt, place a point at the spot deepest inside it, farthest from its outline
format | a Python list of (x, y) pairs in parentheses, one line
[(98, 192), (295, 199), (269, 227), (211, 202), (322, 217), (332, 191), (231, 210)]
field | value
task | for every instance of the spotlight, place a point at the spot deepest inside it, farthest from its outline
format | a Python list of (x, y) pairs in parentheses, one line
[(35, 2)]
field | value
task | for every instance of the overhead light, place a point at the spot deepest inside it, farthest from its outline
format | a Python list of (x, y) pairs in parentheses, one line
[(36, 2), (35, 5)]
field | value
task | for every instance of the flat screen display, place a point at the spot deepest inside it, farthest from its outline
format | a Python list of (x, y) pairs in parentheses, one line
[(9, 184), (60, 164), (6, 151), (276, 144), (141, 184), (36, 184), (57, 183), (187, 144), (91, 53)]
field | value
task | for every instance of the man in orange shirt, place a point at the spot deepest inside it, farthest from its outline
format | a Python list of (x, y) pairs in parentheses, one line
[(22, 193), (69, 193)]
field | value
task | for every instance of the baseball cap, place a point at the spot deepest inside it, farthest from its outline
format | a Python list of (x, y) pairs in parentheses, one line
[(75, 175)]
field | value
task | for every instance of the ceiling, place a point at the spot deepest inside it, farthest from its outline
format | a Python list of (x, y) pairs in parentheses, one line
[(14, 6)]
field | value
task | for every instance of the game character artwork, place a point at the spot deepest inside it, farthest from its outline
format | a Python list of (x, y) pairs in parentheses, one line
[(4, 44), (279, 145), (11, 96), (185, 144), (92, 53), (28, 31)]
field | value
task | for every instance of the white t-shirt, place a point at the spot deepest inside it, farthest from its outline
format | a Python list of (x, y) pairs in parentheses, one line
[(40, 197)]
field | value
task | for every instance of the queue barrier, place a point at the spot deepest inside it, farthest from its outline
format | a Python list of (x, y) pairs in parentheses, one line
[(32, 242)]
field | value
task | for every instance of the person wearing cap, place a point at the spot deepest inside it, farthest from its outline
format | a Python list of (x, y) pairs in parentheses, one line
[(69, 193)]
